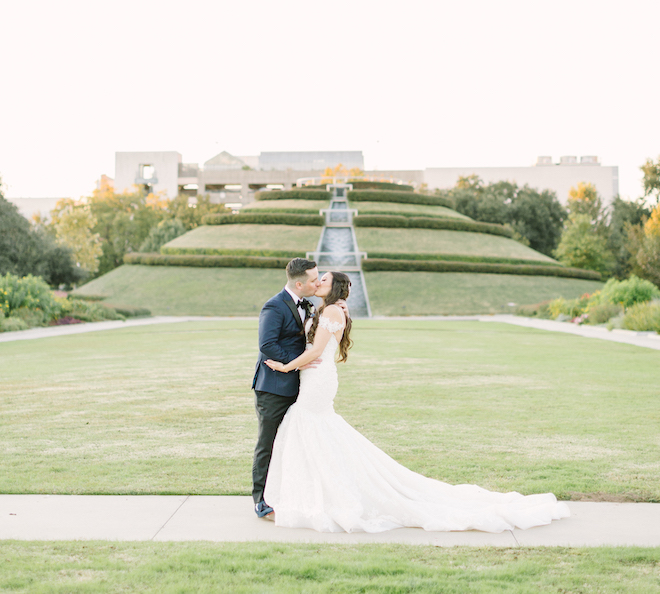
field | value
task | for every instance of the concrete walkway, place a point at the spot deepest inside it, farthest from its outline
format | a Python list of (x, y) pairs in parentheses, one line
[(231, 519)]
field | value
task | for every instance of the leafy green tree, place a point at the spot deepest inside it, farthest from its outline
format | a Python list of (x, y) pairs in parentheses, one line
[(73, 223), (191, 214), (25, 250), (582, 247), (584, 200), (623, 215), (537, 218), (651, 173), (159, 235)]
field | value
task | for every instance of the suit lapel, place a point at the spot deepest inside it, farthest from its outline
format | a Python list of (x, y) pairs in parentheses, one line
[(293, 308)]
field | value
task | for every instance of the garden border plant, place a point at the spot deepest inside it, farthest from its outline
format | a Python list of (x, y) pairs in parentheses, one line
[(390, 221), (266, 218), (398, 196), (205, 261), (371, 265), (298, 194)]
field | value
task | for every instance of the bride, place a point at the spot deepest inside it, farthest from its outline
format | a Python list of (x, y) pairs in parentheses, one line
[(326, 476)]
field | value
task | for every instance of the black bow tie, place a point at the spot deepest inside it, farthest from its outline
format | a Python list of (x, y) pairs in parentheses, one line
[(307, 306)]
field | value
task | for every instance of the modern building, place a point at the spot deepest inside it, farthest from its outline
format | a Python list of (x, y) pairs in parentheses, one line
[(228, 178)]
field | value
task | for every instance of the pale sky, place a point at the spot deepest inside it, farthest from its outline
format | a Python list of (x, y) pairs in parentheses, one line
[(412, 84)]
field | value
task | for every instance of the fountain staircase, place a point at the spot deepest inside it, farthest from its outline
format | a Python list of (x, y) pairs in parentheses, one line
[(337, 249)]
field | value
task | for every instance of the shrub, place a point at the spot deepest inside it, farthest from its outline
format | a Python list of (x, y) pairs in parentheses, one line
[(90, 311), (602, 313), (12, 325), (536, 310), (572, 308), (630, 291), (459, 258), (131, 312), (266, 218), (206, 261), (298, 194), (183, 251), (31, 317), (643, 317), (430, 223), (398, 196), (444, 266), (30, 292)]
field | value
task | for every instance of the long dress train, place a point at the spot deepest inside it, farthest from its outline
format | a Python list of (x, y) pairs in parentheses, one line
[(326, 476)]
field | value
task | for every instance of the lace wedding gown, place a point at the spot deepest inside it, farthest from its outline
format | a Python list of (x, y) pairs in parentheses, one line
[(326, 476)]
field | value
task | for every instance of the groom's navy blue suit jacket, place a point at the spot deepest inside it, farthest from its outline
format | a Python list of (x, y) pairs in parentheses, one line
[(281, 338)]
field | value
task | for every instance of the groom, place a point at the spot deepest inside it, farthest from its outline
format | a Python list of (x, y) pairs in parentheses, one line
[(281, 338)]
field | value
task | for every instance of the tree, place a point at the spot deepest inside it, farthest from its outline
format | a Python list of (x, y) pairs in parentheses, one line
[(26, 250), (191, 213), (651, 173), (584, 200), (581, 247), (623, 215), (73, 223), (159, 235), (536, 217), (647, 257)]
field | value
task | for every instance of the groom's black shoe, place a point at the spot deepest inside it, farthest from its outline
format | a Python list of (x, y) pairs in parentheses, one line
[(262, 509)]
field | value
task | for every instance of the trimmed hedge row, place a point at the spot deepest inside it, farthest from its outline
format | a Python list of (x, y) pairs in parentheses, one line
[(206, 261), (431, 223), (393, 196), (192, 251), (266, 218), (298, 194), (282, 210), (372, 265), (368, 185), (460, 258)]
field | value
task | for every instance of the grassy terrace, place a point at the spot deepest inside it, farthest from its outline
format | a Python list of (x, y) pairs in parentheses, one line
[(444, 242), (168, 408), (449, 293), (398, 208), (250, 237), (301, 206)]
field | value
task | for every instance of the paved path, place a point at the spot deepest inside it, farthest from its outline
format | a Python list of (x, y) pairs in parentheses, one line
[(223, 519), (649, 340)]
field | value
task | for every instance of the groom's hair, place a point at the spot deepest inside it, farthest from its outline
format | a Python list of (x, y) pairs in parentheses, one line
[(296, 270)]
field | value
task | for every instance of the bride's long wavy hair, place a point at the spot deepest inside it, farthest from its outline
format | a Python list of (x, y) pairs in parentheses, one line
[(341, 287)]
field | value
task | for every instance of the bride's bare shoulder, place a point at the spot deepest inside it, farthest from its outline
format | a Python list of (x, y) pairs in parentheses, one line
[(334, 313)]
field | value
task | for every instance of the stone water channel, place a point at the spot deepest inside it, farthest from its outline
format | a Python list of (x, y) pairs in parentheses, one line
[(338, 250)]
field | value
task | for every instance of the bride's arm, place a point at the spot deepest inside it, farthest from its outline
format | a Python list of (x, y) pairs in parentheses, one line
[(321, 339)]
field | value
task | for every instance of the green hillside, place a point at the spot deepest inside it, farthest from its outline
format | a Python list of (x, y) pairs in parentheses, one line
[(301, 206), (417, 210)]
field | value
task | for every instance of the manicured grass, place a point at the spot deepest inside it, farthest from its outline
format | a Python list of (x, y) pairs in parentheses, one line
[(250, 237), (247, 568), (454, 293), (179, 290), (168, 408), (302, 206), (442, 241), (400, 208)]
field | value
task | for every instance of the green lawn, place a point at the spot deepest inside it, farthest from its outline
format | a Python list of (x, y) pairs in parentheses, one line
[(179, 290), (443, 241), (168, 408), (255, 568), (310, 206), (449, 293), (400, 208), (250, 237)]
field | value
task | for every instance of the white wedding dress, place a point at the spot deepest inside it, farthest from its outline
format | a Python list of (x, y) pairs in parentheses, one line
[(326, 476)]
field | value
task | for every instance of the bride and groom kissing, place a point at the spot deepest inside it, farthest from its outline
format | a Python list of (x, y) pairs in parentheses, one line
[(311, 469)]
